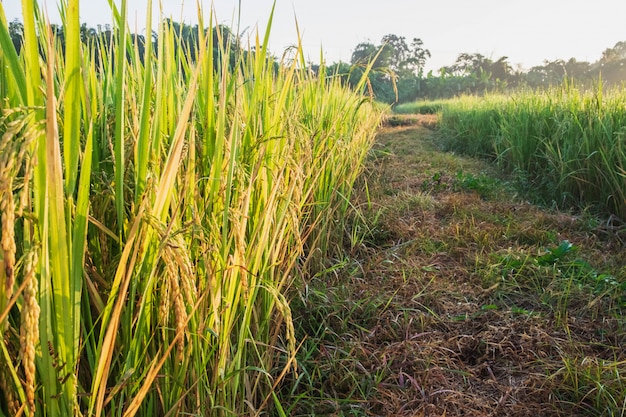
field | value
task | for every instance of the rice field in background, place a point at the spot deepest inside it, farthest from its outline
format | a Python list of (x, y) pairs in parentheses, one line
[(422, 107), (566, 144), (155, 210)]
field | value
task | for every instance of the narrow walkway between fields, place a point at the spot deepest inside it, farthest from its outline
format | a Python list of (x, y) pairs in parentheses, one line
[(462, 299)]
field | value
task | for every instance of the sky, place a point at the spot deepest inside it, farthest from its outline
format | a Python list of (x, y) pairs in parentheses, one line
[(526, 31)]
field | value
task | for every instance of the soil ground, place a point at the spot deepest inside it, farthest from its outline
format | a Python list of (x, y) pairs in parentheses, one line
[(460, 298)]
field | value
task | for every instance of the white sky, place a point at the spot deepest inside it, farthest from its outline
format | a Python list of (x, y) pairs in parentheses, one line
[(527, 31)]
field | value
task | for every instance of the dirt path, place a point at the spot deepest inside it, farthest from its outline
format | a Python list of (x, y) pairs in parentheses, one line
[(464, 300)]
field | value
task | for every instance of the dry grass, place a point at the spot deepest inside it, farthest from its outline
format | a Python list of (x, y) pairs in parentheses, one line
[(427, 319)]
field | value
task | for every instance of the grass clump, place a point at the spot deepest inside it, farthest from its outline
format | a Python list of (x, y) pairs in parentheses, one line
[(562, 281), (591, 387)]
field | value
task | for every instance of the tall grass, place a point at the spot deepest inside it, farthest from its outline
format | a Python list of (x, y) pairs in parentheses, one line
[(569, 143), (421, 107), (155, 210)]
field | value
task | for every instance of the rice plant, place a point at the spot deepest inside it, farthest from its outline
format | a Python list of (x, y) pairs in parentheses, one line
[(156, 207), (569, 143)]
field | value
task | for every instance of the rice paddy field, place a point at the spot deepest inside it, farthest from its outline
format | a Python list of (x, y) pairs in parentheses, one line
[(207, 230), (156, 208), (567, 144)]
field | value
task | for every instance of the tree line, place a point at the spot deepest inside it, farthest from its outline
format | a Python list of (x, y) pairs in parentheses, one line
[(225, 42), (397, 65), (398, 71)]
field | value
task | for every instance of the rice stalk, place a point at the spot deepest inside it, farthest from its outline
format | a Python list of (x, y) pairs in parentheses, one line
[(176, 197)]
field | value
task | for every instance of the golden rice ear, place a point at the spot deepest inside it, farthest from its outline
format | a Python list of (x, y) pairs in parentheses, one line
[(29, 327), (174, 276), (7, 244), (15, 165), (10, 396), (7, 213)]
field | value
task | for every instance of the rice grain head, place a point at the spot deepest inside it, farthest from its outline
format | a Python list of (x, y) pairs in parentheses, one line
[(180, 313), (29, 328), (7, 243), (12, 402)]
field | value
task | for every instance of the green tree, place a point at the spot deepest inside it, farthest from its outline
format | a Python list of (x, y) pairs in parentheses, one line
[(397, 67), (612, 65), (395, 51), (481, 73), (557, 71), (364, 53), (501, 69), (16, 31), (405, 59), (416, 61), (616, 53)]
